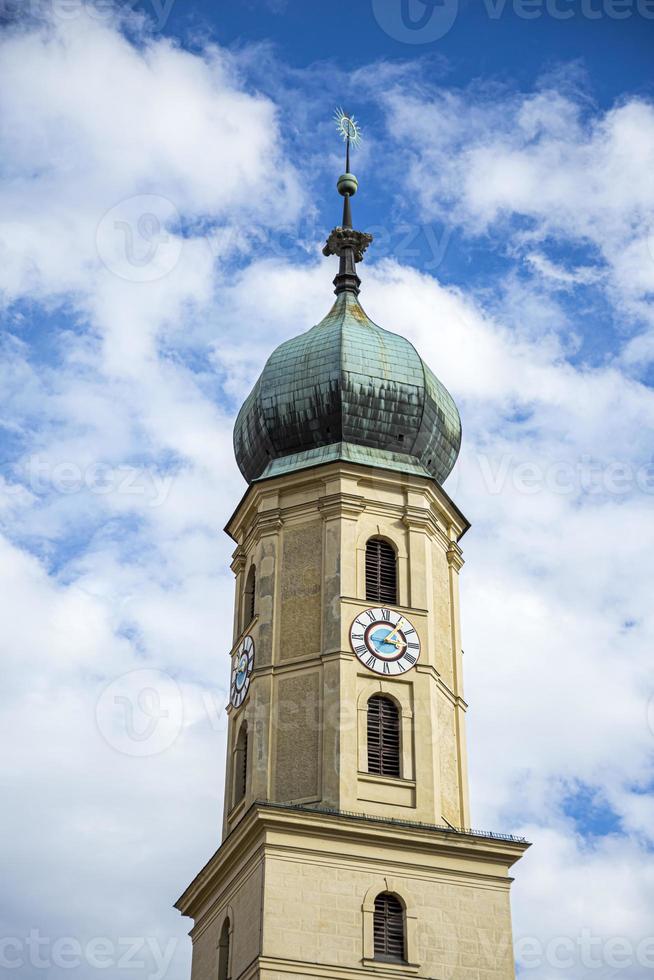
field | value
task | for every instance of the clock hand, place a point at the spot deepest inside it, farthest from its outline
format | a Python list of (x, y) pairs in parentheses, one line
[(393, 643), (389, 638)]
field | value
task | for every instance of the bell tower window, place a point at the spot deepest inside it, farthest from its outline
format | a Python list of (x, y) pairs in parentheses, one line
[(381, 572), (383, 737), (241, 764), (249, 595), (223, 952), (388, 929)]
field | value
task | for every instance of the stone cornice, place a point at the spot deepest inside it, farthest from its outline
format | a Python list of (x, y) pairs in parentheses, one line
[(455, 556), (420, 519), (265, 522), (445, 508), (238, 561), (498, 852), (455, 699), (276, 966), (362, 604), (341, 505)]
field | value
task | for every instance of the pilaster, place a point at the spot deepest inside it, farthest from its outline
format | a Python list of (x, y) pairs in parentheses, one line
[(455, 564)]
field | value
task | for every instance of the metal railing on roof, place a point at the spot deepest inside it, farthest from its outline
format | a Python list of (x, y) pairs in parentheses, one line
[(394, 821)]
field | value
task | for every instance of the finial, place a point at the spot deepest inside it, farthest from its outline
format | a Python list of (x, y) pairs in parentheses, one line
[(348, 244), (347, 184)]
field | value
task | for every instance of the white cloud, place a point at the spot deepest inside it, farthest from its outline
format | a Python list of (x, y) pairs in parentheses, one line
[(559, 274), (583, 934), (123, 471), (575, 177), (107, 570)]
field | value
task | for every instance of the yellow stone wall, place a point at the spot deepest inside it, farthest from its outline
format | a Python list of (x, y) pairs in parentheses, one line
[(315, 914), (300, 586), (313, 842), (297, 725), (240, 900), (306, 533), (317, 878)]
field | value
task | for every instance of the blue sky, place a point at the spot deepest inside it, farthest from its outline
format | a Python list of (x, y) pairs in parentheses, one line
[(165, 191), (488, 38)]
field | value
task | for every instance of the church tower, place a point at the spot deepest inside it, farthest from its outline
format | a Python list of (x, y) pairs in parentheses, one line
[(346, 851)]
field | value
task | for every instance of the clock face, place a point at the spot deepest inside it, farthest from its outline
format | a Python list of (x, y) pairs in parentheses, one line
[(385, 641), (242, 664)]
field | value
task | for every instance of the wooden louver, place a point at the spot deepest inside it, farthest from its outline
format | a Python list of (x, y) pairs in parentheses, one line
[(241, 765), (381, 572), (250, 596), (389, 928), (223, 952), (383, 737)]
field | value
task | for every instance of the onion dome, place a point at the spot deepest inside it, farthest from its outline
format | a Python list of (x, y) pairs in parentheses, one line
[(347, 390)]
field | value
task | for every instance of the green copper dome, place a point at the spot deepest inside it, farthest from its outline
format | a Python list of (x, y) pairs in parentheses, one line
[(346, 389)]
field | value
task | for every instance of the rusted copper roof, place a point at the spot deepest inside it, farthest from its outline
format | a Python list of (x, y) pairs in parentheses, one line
[(347, 389)]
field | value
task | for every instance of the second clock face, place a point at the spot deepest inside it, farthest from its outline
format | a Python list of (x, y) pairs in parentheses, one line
[(242, 666), (385, 641)]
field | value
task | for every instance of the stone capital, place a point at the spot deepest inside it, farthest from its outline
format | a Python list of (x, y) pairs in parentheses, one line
[(341, 505), (455, 556), (238, 561), (419, 518), (267, 522)]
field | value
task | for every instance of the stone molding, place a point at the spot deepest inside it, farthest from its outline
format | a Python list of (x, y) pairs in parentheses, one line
[(265, 824), (455, 556), (319, 476), (341, 505), (239, 561)]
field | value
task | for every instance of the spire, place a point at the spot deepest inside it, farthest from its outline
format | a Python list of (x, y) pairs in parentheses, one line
[(344, 241)]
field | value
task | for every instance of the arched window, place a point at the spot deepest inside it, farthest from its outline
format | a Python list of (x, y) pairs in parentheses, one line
[(223, 952), (381, 572), (383, 736), (241, 764), (249, 595), (388, 928)]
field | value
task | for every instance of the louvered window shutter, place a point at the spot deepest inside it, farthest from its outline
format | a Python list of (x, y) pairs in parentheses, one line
[(249, 604), (241, 765), (383, 737), (381, 572), (244, 764), (223, 952), (389, 928)]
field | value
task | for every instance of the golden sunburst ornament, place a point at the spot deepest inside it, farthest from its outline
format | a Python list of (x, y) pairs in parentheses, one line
[(348, 127)]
